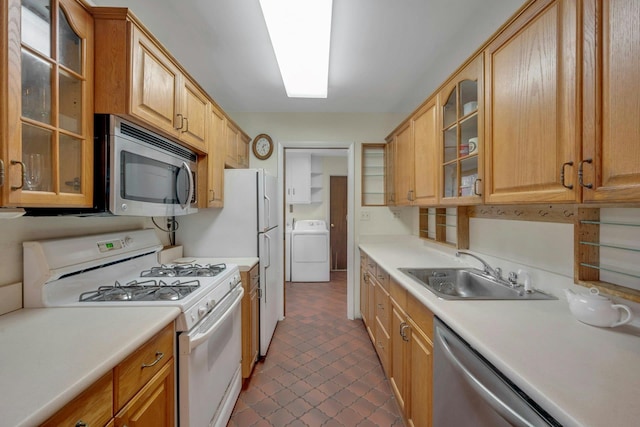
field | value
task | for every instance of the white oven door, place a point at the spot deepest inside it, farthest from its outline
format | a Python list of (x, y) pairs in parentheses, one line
[(209, 366)]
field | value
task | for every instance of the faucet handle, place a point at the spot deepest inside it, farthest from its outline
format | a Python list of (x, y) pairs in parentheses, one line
[(513, 278)]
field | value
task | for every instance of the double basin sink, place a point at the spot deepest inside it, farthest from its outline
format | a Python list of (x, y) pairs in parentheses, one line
[(469, 284)]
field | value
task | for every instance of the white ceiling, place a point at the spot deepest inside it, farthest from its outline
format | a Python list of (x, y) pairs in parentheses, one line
[(387, 56)]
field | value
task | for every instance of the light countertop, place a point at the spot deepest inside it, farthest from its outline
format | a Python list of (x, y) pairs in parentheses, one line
[(50, 355), (582, 375)]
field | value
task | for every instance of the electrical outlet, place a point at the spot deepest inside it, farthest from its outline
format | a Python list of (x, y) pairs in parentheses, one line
[(365, 216), (396, 214)]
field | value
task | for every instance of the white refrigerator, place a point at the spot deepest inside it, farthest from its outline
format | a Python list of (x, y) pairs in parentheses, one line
[(245, 227)]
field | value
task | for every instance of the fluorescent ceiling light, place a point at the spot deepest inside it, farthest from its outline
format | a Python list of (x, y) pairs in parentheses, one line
[(300, 32)]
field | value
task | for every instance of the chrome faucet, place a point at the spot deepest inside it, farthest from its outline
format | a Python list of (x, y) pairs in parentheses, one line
[(486, 268)]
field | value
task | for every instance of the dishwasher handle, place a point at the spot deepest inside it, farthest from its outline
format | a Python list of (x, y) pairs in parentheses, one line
[(478, 375)]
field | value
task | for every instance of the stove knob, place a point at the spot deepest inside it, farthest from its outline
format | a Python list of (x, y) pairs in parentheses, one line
[(212, 303), (193, 317), (128, 240), (202, 311)]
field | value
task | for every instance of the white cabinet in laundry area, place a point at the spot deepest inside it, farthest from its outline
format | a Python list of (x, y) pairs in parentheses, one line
[(303, 178)]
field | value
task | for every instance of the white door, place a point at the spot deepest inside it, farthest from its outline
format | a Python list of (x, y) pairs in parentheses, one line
[(270, 281)]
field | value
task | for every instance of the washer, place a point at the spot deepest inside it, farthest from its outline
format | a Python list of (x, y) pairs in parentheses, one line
[(310, 260)]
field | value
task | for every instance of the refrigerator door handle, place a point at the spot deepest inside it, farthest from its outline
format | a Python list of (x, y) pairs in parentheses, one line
[(267, 209), (268, 264), (268, 249)]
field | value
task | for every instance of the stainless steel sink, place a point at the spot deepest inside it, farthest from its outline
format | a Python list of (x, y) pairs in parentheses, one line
[(468, 283)]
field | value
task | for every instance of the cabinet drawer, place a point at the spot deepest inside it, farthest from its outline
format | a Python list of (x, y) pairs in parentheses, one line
[(383, 277), (398, 293), (136, 370), (254, 277), (94, 406), (383, 307), (154, 405), (421, 315), (371, 266)]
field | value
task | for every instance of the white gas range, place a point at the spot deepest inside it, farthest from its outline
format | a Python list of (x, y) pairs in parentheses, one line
[(121, 269)]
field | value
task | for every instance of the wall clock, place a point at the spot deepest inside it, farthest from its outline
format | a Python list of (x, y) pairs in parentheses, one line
[(262, 146)]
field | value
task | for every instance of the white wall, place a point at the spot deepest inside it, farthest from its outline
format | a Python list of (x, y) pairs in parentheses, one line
[(334, 127)]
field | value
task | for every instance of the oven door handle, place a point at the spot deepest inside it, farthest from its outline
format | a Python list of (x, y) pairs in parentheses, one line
[(185, 167), (201, 337)]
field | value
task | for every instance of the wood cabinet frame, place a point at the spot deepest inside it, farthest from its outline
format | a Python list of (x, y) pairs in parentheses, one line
[(11, 119)]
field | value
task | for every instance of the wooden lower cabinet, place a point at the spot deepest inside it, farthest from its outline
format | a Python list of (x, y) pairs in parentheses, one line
[(364, 295), (250, 319), (401, 329), (418, 410), (92, 407), (399, 352), (153, 405), (140, 391)]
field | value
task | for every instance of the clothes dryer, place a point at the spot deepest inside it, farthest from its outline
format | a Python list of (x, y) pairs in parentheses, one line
[(310, 260)]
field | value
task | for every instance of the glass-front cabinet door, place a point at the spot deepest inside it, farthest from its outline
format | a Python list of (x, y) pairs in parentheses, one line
[(50, 104), (461, 168)]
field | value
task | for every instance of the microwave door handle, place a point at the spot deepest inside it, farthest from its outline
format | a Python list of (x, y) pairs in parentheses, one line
[(185, 166)]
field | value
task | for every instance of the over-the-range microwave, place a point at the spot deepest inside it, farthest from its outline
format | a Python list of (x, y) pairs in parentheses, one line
[(137, 173)]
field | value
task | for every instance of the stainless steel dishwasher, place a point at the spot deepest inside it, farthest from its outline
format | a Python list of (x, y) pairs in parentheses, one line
[(469, 391)]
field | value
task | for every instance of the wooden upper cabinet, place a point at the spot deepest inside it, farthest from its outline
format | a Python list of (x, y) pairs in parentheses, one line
[(237, 151), (195, 113), (373, 175), (461, 136), (232, 138), (425, 145), (532, 106), (46, 104), (155, 84), (404, 185), (135, 76), (390, 178), (243, 150), (611, 84), (215, 159)]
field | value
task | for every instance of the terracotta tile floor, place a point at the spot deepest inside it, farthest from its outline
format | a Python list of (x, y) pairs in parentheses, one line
[(321, 368)]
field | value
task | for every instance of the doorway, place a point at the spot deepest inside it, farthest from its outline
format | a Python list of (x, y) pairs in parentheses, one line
[(338, 221), (345, 153)]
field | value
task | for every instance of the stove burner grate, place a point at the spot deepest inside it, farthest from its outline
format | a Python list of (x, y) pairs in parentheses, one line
[(148, 290), (184, 270)]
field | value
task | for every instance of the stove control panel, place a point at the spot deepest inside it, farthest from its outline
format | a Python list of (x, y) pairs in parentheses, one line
[(111, 245)]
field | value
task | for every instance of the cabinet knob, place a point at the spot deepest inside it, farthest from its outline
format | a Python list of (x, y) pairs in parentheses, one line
[(181, 121), (81, 424)]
